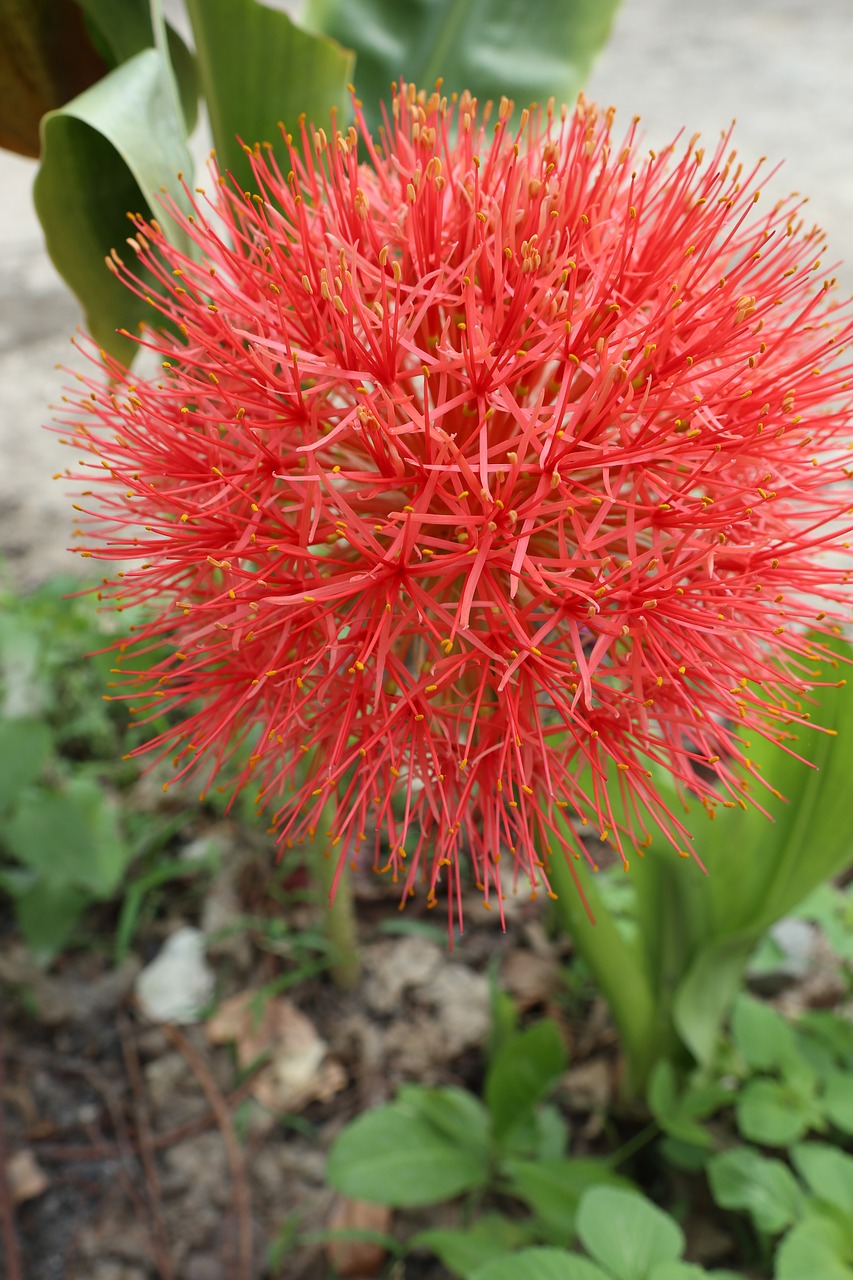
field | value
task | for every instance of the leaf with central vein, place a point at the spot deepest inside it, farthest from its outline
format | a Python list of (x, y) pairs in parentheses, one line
[(126, 29), (110, 150), (528, 50), (273, 71), (393, 1155)]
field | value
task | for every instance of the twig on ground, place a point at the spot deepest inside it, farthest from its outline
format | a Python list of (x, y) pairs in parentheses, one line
[(123, 1150), (234, 1155), (50, 1149), (146, 1149)]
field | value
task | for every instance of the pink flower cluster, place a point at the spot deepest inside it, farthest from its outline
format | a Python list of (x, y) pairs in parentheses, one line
[(487, 468)]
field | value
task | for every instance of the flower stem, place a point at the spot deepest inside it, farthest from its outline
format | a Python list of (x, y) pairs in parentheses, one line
[(618, 970), (340, 919)]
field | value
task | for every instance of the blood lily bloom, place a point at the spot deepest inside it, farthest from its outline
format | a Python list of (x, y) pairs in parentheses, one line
[(485, 466)]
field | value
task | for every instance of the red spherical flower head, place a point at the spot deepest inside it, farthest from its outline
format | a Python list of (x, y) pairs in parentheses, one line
[(489, 465)]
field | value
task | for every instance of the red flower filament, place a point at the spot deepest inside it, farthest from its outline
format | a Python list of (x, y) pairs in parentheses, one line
[(482, 470)]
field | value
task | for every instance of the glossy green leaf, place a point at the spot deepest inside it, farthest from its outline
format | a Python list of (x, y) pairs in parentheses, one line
[(828, 1174), (758, 868), (528, 50), (522, 1074), (677, 1271), (773, 1114), (814, 1250), (838, 1100), (761, 1034), (670, 1110), (457, 1114), (24, 747), (393, 1155), (542, 1134), (465, 1250), (125, 29), (552, 1189), (832, 910), (106, 152), (70, 836), (540, 1264), (550, 1133), (257, 68), (47, 915), (685, 1271), (626, 1233), (764, 1188), (831, 1032), (46, 57), (704, 995)]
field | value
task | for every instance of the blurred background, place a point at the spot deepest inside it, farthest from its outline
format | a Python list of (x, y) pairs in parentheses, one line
[(781, 68)]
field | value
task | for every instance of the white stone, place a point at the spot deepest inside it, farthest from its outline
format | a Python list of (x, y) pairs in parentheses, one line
[(178, 983)]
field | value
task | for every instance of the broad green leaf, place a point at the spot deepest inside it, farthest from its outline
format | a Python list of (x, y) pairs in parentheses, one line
[(832, 909), (688, 1271), (528, 50), (522, 1074), (828, 1174), (70, 836), (677, 1271), (540, 1264), (393, 1155), (454, 1112), (47, 914), (669, 1109), (626, 1233), (541, 1135), (125, 29), (765, 1189), (817, 1055), (550, 1133), (257, 68), (46, 57), (814, 1250), (763, 1036), (553, 1188), (24, 747), (704, 995), (109, 151), (759, 870), (773, 1114), (835, 1033), (838, 1100), (465, 1250)]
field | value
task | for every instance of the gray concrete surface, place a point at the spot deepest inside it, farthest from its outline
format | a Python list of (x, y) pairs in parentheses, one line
[(781, 67)]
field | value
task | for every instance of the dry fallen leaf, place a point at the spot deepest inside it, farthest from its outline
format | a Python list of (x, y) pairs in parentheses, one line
[(359, 1259), (298, 1071), (589, 1085), (25, 1177), (531, 979)]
